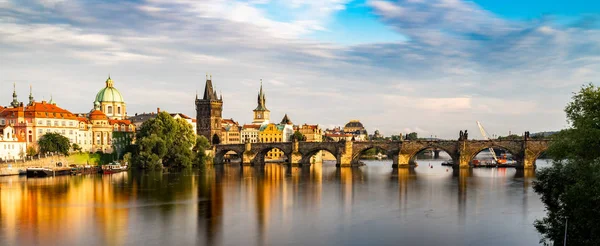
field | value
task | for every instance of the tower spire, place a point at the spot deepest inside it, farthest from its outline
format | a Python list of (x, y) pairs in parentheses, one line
[(30, 95), (15, 102)]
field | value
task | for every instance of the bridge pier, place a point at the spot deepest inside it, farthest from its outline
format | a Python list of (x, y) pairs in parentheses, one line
[(345, 157)]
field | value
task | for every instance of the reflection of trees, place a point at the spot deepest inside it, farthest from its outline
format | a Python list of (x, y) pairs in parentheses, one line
[(210, 204)]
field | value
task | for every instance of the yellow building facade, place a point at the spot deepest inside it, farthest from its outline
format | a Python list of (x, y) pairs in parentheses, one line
[(271, 133)]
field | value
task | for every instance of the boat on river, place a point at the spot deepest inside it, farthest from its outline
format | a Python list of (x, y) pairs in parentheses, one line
[(114, 168), (47, 171)]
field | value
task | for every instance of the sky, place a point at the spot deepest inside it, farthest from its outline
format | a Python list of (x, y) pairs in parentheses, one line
[(430, 66)]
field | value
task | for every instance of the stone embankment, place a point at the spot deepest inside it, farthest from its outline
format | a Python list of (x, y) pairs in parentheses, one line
[(11, 167)]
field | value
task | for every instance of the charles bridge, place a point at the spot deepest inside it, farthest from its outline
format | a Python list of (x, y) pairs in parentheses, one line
[(524, 151)]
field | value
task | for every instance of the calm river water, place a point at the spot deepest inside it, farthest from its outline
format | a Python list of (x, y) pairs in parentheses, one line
[(275, 205)]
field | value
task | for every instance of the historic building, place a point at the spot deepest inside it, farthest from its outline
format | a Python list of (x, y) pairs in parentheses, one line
[(313, 133), (336, 134), (231, 132), (261, 114), (94, 131), (249, 133), (12, 146), (272, 133), (209, 114), (358, 131), (288, 128), (110, 101)]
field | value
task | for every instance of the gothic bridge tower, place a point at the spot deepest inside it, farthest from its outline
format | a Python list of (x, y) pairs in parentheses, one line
[(209, 113)]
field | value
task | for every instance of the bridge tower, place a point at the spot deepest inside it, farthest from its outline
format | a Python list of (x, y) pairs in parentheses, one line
[(209, 113)]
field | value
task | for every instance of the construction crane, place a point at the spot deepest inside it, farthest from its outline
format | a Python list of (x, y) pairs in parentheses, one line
[(486, 138)]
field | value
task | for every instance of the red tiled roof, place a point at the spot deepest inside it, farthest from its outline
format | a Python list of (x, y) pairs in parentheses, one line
[(252, 126), (228, 121), (120, 122), (98, 115), (38, 110)]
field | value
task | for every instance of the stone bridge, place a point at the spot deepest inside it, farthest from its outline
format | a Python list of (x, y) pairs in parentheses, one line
[(462, 152)]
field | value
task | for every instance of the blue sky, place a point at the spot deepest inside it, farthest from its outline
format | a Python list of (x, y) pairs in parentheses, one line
[(431, 66)]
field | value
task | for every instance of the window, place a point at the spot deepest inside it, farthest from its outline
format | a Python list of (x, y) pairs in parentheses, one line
[(109, 110), (70, 123), (3, 122), (63, 132), (47, 130), (63, 123), (40, 122), (40, 131), (49, 123), (70, 132), (119, 110), (56, 123)]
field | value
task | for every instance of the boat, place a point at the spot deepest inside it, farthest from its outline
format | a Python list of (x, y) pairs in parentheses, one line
[(114, 168), (448, 163), (47, 171)]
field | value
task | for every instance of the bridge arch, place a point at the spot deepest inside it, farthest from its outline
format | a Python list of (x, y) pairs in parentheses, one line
[(261, 154), (515, 153), (309, 153), (390, 151), (221, 152), (452, 153)]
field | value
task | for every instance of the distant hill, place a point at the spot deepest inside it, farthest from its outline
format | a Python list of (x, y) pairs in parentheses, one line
[(543, 134)]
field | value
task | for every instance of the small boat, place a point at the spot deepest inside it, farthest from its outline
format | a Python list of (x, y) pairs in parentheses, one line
[(47, 171), (113, 168), (448, 163)]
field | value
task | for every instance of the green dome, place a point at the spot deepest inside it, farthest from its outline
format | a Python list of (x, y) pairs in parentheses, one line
[(109, 93)]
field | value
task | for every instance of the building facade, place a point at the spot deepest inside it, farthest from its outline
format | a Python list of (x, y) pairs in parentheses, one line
[(272, 133), (12, 146), (231, 132), (91, 131), (209, 114), (313, 133), (249, 133)]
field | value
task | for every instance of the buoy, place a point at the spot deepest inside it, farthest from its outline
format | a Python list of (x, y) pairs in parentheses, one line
[(431, 166), (446, 169)]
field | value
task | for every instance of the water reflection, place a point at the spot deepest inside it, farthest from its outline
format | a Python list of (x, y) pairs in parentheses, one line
[(272, 205)]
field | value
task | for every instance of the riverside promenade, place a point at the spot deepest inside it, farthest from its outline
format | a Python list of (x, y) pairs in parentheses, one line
[(11, 167)]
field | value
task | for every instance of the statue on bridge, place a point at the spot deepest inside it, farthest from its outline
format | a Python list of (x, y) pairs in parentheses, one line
[(460, 135), (526, 135), (463, 135), (466, 135)]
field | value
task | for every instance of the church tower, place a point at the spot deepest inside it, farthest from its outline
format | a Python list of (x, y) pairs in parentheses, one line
[(261, 114), (209, 113)]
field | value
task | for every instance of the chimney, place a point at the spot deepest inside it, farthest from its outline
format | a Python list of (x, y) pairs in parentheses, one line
[(157, 110)]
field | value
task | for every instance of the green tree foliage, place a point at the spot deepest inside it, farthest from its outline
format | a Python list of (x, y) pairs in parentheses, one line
[(121, 141), (199, 149), (570, 189), (76, 147), (31, 151), (412, 136), (164, 141), (54, 143), (298, 136)]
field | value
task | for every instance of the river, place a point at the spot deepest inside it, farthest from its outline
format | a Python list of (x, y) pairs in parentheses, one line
[(275, 205)]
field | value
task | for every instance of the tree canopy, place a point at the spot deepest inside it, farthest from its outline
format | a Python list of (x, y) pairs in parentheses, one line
[(412, 136), (52, 142), (164, 141), (298, 136), (570, 189)]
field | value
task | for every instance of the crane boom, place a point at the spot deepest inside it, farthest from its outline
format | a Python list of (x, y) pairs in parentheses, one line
[(486, 138)]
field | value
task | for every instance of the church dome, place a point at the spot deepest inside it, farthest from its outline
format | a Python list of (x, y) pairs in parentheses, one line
[(109, 93), (354, 124)]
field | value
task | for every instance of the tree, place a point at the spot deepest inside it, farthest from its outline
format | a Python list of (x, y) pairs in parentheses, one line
[(76, 147), (298, 136), (31, 150), (570, 189), (164, 141), (412, 136), (199, 149), (54, 143)]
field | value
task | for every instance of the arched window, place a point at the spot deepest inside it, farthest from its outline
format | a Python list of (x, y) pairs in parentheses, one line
[(119, 110), (109, 110)]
